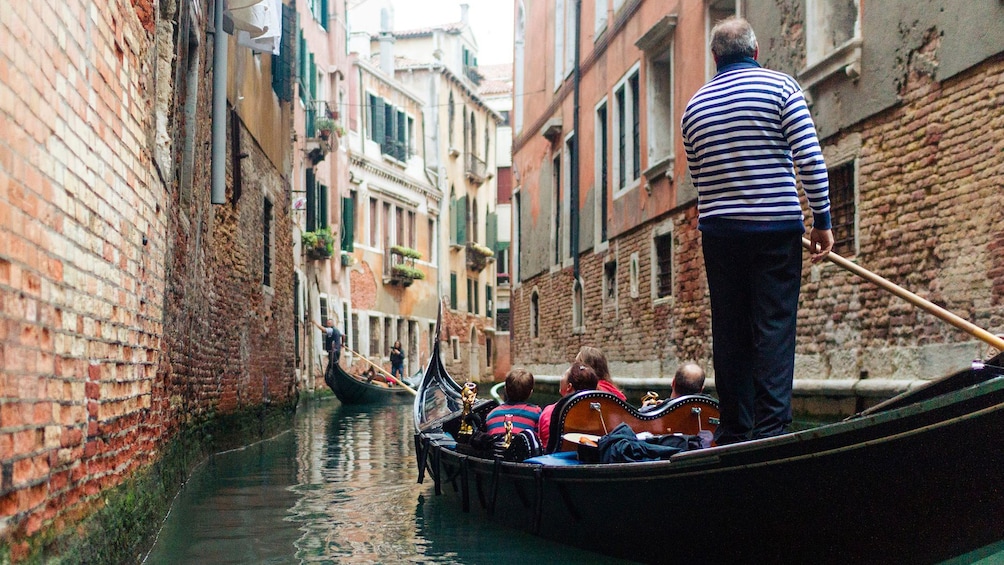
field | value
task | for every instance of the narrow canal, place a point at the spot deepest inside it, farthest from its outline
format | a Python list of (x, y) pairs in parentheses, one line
[(339, 487)]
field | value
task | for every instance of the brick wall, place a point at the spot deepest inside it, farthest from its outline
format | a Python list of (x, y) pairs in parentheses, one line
[(929, 208), (82, 244), (129, 309)]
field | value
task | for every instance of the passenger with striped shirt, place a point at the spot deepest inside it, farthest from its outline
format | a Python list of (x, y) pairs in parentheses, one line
[(746, 134), (518, 387)]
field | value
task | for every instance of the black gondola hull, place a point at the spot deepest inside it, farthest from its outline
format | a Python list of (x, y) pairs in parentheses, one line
[(916, 481), (355, 390)]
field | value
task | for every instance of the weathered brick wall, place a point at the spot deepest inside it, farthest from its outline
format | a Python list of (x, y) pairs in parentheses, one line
[(82, 244), (641, 337), (128, 309), (929, 212)]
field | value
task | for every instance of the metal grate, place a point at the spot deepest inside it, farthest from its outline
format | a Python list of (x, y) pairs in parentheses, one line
[(843, 208)]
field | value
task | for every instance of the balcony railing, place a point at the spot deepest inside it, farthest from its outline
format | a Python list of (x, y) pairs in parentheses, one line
[(478, 256), (316, 109), (475, 168)]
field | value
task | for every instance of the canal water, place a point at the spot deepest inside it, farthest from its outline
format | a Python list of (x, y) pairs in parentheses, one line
[(340, 487)]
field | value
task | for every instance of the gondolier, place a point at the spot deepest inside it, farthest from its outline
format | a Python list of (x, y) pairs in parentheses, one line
[(332, 344), (745, 132)]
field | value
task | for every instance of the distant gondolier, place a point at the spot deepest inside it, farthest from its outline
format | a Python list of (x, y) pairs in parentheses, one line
[(332, 345)]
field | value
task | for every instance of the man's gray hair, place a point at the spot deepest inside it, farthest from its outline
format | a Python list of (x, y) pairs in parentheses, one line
[(733, 38)]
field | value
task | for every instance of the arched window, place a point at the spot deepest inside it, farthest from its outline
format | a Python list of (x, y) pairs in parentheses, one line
[(535, 315), (474, 134), (451, 114), (578, 320)]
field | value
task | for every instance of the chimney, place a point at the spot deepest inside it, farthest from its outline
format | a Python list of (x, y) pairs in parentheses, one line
[(464, 8), (387, 40)]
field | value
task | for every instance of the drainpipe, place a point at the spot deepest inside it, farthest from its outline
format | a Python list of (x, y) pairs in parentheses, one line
[(219, 148), (573, 193)]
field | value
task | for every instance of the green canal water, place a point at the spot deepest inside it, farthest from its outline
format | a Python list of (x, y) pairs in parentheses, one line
[(340, 487)]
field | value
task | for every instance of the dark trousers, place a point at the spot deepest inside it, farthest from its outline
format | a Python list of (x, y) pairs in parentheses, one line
[(754, 282)]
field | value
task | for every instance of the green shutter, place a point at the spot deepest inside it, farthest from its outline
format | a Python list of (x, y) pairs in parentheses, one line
[(324, 14), (379, 120), (453, 221), (348, 224), (311, 201), (492, 231), (302, 67), (322, 206), (282, 64), (462, 220), (313, 78), (453, 290)]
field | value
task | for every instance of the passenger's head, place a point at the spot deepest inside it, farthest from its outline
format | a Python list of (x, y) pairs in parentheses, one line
[(733, 38), (330, 323), (689, 379), (397, 344), (578, 377), (518, 385), (594, 359)]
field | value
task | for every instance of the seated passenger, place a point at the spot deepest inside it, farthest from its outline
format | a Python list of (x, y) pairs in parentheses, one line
[(577, 377), (597, 361), (518, 387), (689, 379)]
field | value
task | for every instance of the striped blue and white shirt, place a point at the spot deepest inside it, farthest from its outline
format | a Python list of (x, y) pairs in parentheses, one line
[(746, 132)]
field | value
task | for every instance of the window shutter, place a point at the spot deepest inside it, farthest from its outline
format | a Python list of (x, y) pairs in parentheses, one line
[(492, 229), (348, 224), (324, 14), (311, 201), (379, 120), (453, 290), (461, 210), (282, 64), (322, 206), (313, 78)]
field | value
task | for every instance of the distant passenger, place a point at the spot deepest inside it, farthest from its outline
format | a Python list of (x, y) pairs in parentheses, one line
[(518, 387), (689, 379), (597, 361), (577, 377)]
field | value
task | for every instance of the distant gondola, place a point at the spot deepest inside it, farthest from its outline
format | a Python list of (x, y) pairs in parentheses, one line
[(352, 389), (916, 479)]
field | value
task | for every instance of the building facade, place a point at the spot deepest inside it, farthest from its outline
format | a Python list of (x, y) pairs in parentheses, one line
[(604, 210), (320, 161), (440, 65)]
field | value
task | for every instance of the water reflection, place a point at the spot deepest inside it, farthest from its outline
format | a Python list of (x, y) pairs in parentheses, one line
[(339, 488)]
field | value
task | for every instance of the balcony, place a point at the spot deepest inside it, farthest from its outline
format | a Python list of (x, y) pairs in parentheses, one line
[(478, 256), (319, 123), (399, 266), (475, 168), (318, 244)]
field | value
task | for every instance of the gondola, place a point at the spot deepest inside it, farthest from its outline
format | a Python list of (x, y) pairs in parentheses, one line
[(915, 479), (352, 389)]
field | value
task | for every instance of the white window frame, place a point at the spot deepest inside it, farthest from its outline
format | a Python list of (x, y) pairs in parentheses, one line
[(599, 245), (578, 307), (629, 183), (566, 202), (660, 85), (823, 61)]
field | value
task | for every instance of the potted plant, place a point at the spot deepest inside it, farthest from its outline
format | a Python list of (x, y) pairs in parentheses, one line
[(323, 126), (339, 130), (405, 252), (477, 256), (406, 274), (318, 244)]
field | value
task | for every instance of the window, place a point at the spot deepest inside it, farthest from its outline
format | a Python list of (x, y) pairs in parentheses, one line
[(556, 183), (389, 127), (387, 338), (470, 294), (266, 278), (310, 187), (662, 246), (657, 44), (535, 315), (832, 40), (488, 351), (348, 234), (477, 299), (387, 219), (354, 334), (610, 281), (374, 222), (282, 64), (600, 23), (502, 319), (451, 114), (829, 25), (322, 306), (453, 290), (843, 207), (489, 304), (399, 238), (634, 270), (559, 42), (517, 218), (431, 254), (578, 321), (627, 133), (718, 10), (455, 348), (602, 172)]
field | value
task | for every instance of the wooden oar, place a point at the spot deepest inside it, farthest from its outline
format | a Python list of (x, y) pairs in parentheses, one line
[(912, 298), (384, 371)]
